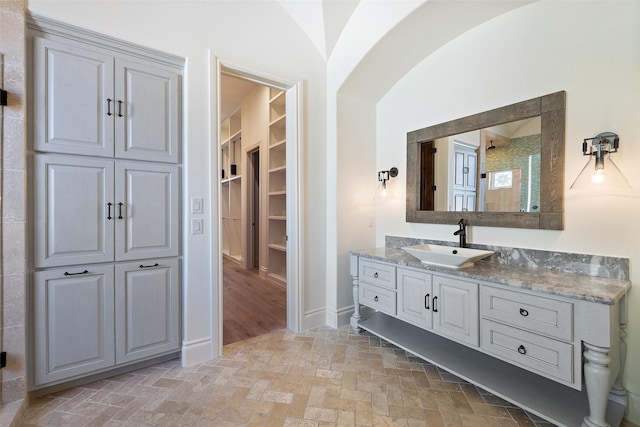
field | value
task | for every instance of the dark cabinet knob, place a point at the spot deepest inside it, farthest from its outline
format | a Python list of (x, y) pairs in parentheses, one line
[(523, 312), (522, 350)]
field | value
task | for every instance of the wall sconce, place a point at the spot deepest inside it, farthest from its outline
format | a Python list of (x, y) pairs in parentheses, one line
[(384, 176), (605, 171)]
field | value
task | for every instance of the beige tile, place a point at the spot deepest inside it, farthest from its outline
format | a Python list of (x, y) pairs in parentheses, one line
[(364, 413), (325, 377)]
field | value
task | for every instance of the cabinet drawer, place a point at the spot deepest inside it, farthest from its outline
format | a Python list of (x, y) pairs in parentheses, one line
[(536, 353), (534, 313), (379, 298), (377, 273)]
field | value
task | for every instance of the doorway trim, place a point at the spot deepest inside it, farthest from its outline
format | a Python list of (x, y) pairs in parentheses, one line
[(295, 292)]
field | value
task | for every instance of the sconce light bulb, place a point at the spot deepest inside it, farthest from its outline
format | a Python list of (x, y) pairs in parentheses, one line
[(383, 193), (598, 177)]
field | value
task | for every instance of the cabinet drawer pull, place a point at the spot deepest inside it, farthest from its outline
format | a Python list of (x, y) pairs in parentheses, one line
[(375, 298), (119, 108), (522, 350), (524, 312), (375, 274), (435, 304), (109, 107), (156, 264), (66, 273), (109, 210), (120, 210), (426, 302)]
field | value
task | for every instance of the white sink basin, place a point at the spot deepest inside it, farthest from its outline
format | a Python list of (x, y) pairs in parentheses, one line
[(447, 256)]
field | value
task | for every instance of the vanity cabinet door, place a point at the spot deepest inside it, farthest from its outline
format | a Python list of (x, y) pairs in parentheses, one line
[(414, 297), (455, 309)]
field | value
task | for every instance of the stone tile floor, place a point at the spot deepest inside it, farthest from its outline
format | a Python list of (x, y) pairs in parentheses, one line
[(324, 377)]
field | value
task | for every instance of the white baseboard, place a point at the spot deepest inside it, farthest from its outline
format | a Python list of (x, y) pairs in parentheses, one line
[(344, 316), (197, 351), (633, 414), (313, 319), (336, 319)]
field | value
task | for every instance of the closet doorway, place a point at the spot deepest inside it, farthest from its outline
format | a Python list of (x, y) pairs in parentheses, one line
[(254, 209)]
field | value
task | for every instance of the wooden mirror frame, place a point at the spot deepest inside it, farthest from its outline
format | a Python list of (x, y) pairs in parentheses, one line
[(551, 109)]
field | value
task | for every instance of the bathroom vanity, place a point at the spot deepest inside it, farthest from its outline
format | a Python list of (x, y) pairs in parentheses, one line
[(516, 331)]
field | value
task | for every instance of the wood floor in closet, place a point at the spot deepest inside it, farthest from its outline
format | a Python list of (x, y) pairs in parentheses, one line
[(252, 306)]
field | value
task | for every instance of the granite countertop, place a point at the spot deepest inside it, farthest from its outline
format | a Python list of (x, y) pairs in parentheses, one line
[(570, 285)]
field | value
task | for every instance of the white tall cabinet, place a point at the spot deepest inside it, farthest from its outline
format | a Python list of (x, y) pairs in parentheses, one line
[(105, 217)]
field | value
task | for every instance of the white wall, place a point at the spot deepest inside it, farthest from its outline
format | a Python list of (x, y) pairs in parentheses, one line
[(265, 41), (366, 62), (535, 50)]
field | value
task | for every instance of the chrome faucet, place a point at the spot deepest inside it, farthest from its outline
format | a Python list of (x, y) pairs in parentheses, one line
[(462, 233)]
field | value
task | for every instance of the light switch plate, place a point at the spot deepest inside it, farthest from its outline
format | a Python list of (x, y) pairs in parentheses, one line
[(196, 206), (196, 226)]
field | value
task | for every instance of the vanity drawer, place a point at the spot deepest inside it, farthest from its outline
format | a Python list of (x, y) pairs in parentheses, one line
[(377, 273), (378, 298), (535, 313), (536, 353)]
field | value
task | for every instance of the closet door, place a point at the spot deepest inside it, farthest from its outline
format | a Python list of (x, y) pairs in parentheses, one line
[(147, 119), (147, 309), (74, 212), (73, 322), (73, 99), (147, 210)]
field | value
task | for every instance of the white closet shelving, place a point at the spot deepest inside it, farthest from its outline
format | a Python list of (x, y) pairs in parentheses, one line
[(231, 149), (277, 192)]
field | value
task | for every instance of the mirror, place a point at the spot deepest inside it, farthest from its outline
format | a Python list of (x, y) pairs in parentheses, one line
[(495, 169), (517, 183)]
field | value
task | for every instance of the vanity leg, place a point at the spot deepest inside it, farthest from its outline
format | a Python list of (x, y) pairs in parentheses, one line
[(618, 393), (356, 316), (597, 376)]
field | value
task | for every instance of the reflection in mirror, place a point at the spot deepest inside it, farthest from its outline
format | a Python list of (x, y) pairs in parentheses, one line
[(495, 169), (500, 168)]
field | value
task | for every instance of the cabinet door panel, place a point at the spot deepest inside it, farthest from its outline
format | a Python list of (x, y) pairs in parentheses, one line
[(147, 124), (414, 297), (456, 309), (71, 88), (147, 309), (149, 227), (73, 322), (72, 224)]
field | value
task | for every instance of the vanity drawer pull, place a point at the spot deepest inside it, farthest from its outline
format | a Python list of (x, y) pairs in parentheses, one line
[(375, 298), (66, 273), (426, 302), (524, 312), (375, 274), (522, 350)]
